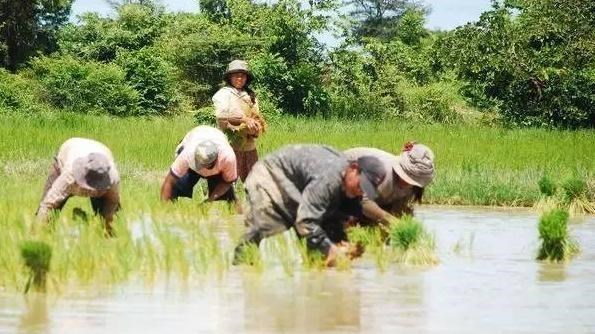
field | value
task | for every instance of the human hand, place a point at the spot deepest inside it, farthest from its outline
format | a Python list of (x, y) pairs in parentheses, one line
[(251, 125), (352, 250)]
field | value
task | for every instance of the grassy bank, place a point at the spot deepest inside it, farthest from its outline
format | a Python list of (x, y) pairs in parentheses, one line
[(478, 166), (475, 166)]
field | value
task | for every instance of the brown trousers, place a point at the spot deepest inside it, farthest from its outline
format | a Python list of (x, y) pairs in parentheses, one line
[(245, 161)]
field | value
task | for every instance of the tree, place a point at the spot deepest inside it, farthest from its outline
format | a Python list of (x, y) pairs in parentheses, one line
[(380, 18), (29, 25), (215, 10), (536, 59)]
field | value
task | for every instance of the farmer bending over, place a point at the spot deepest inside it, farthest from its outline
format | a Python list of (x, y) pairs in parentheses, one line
[(203, 153), (407, 175), (304, 187), (82, 167)]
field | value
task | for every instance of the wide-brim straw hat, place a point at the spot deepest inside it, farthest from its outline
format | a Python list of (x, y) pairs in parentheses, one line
[(94, 172), (415, 165)]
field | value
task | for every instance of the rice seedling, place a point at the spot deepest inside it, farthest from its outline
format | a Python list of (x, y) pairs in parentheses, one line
[(37, 256), (410, 243), (556, 245), (547, 187), (575, 196), (188, 238)]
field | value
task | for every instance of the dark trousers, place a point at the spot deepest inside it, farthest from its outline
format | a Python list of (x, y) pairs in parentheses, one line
[(333, 226), (185, 185)]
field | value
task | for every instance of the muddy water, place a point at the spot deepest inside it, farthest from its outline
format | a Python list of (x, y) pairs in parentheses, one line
[(487, 282)]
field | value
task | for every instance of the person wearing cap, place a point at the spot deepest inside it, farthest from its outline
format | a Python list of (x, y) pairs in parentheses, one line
[(407, 175), (203, 153), (238, 114), (304, 187), (82, 167)]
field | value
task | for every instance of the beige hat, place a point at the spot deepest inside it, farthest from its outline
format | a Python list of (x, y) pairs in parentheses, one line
[(415, 165), (238, 66), (205, 153), (94, 172)]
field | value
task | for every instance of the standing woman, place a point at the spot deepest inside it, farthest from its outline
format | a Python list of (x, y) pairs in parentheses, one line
[(238, 115)]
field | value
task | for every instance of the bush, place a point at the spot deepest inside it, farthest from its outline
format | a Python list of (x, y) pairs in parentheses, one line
[(152, 77), (430, 104), (86, 86), (18, 93)]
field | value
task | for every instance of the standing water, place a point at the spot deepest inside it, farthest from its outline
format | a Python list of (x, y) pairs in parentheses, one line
[(487, 282)]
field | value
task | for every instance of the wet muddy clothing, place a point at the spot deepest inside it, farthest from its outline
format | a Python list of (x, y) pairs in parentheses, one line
[(188, 174), (299, 186), (391, 198), (60, 184)]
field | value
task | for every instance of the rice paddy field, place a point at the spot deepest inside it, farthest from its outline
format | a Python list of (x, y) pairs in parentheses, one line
[(170, 263)]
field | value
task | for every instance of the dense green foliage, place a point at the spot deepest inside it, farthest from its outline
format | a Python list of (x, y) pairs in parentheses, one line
[(523, 63), (536, 60), (28, 26)]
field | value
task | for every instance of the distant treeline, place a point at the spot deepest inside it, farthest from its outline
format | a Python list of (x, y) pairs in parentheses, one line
[(524, 62)]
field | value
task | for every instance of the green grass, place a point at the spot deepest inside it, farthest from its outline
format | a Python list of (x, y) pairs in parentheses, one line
[(475, 166)]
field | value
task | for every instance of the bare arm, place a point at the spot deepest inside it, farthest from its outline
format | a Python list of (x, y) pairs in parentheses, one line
[(167, 188), (375, 213), (220, 189)]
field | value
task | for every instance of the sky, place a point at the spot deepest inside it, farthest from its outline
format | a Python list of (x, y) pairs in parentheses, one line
[(446, 14)]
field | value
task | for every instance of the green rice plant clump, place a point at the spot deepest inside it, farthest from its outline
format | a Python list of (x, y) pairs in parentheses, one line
[(574, 188), (37, 256), (405, 233), (553, 232), (547, 186)]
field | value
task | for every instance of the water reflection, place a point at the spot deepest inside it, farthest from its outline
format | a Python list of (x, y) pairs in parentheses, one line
[(498, 288), (34, 318), (551, 272), (308, 302)]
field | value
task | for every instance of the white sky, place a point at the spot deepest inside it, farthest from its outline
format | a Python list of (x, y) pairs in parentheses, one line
[(446, 14)]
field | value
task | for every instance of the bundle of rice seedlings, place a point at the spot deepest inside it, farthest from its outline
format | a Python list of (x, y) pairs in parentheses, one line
[(547, 200), (547, 187), (37, 256), (575, 196), (556, 245), (411, 244)]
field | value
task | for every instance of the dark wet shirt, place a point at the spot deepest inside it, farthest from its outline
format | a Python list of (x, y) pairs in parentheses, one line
[(310, 179)]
